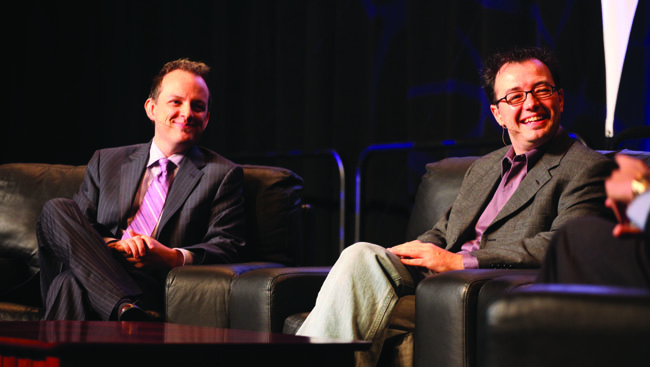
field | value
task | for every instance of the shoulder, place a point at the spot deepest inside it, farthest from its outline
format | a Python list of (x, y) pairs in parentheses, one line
[(215, 165), (112, 158), (565, 153), (581, 157), (581, 151), (211, 160), (122, 151)]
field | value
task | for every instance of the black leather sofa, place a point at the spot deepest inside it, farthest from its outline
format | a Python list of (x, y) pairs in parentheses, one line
[(24, 188), (274, 213)]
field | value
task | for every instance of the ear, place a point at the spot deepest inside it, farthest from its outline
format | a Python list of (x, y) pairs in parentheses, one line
[(149, 106), (497, 114), (560, 95)]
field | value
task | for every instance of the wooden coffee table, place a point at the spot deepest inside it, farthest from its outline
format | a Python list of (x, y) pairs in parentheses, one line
[(90, 343)]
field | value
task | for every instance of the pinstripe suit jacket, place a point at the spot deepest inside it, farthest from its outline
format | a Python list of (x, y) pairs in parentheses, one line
[(566, 182), (204, 211)]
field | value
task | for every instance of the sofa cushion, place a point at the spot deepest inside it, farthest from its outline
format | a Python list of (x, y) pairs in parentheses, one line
[(273, 215)]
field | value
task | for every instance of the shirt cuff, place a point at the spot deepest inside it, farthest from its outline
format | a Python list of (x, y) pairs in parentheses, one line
[(638, 210), (469, 261), (188, 257)]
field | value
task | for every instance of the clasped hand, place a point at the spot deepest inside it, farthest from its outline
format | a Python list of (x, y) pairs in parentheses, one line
[(428, 255), (145, 251), (619, 191)]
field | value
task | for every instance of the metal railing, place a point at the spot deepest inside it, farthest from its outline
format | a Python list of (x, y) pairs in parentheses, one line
[(371, 151), (300, 155)]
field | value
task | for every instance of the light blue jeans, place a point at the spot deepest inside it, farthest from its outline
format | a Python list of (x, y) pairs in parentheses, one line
[(358, 297)]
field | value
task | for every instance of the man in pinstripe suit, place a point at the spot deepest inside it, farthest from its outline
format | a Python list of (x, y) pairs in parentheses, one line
[(89, 269)]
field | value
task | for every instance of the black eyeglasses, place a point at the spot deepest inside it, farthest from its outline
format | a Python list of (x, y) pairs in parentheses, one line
[(541, 91)]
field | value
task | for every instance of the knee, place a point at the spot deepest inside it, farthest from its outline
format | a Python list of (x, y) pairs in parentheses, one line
[(57, 205), (56, 208), (364, 254), (51, 214), (362, 250)]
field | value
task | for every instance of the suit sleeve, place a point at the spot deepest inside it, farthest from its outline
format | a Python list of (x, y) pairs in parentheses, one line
[(436, 235), (224, 235)]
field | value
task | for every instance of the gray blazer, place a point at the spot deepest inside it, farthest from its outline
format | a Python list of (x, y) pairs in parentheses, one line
[(204, 212), (566, 182)]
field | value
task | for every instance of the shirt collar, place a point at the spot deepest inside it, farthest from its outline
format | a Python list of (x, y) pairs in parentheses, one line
[(155, 154), (530, 157)]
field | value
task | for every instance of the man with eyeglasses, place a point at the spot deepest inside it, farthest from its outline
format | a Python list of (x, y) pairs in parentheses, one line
[(508, 206)]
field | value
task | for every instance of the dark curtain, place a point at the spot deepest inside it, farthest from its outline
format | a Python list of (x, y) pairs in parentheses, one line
[(295, 77)]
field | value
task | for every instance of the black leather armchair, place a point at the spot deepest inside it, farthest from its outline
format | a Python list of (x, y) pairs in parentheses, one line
[(278, 300), (446, 305), (200, 294), (24, 188), (274, 234)]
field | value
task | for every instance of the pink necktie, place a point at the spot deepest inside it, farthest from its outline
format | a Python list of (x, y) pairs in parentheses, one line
[(146, 218)]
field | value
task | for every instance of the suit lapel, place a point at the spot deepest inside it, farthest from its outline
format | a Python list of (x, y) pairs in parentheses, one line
[(479, 189), (537, 177), (526, 191), (187, 177), (130, 176)]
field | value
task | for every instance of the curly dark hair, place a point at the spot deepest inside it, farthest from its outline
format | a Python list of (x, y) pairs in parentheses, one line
[(194, 67), (493, 64)]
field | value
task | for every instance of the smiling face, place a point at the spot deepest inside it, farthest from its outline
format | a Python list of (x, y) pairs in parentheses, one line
[(536, 121), (180, 112)]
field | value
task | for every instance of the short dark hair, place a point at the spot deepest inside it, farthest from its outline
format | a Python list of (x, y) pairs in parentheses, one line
[(518, 54), (194, 67)]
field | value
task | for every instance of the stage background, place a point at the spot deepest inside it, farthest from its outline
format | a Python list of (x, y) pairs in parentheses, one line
[(304, 78)]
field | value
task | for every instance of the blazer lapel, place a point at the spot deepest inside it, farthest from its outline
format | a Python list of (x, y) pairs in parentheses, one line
[(187, 177), (130, 176), (537, 177), (479, 190), (529, 186)]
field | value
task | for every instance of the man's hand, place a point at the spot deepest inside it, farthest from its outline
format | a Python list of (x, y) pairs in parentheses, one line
[(428, 255), (619, 183), (145, 251), (619, 191)]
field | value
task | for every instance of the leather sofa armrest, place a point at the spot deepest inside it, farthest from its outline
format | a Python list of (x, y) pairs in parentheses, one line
[(569, 325), (492, 291), (446, 314), (261, 300), (199, 294)]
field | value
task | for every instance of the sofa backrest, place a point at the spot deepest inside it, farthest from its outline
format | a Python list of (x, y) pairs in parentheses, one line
[(273, 210), (436, 193), (272, 201), (24, 188)]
